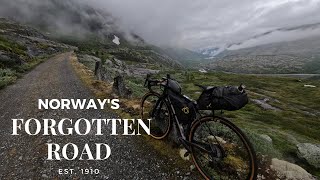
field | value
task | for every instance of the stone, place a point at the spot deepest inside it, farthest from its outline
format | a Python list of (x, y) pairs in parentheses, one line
[(291, 171), (266, 137), (182, 153), (120, 88), (192, 167), (310, 152), (45, 176)]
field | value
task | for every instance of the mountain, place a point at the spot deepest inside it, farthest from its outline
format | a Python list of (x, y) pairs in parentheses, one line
[(304, 29), (22, 48), (299, 56), (91, 29), (210, 51), (182, 55)]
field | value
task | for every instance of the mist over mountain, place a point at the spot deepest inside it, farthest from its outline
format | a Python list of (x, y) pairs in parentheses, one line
[(284, 34), (63, 17), (299, 56), (193, 25), (181, 36)]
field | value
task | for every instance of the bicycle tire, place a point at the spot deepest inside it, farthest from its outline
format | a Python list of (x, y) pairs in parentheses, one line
[(142, 106), (253, 162)]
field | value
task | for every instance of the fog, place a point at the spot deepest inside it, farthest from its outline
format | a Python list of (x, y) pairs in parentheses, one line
[(183, 23)]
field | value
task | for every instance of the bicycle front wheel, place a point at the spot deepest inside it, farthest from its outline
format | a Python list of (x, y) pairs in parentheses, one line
[(156, 109), (225, 152)]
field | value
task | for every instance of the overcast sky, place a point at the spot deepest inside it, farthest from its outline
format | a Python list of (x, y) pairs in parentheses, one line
[(191, 24), (202, 23)]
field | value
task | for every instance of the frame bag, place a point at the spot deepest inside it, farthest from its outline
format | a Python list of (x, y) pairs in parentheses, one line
[(184, 108)]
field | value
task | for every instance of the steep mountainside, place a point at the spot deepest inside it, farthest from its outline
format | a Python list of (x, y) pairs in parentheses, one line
[(21, 48), (91, 29)]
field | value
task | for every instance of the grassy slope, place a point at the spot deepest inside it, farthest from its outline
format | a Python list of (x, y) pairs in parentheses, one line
[(9, 70)]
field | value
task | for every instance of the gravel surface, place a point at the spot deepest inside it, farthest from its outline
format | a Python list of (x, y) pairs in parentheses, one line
[(24, 156)]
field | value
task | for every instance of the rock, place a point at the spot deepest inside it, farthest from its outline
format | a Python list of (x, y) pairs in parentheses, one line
[(108, 63), (45, 176), (266, 137), (290, 171), (264, 104), (260, 177), (9, 59), (142, 71), (310, 152), (97, 70), (216, 138), (120, 88), (192, 167)]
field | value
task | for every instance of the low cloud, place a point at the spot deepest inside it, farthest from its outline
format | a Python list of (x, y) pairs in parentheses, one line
[(185, 23)]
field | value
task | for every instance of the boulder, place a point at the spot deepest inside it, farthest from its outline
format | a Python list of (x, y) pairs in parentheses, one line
[(120, 88), (310, 152), (290, 171), (9, 59), (266, 137)]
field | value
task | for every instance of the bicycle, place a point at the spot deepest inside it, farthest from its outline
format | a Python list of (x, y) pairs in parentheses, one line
[(219, 149)]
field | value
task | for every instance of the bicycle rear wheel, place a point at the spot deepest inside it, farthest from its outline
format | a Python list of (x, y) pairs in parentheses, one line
[(156, 109), (227, 152)]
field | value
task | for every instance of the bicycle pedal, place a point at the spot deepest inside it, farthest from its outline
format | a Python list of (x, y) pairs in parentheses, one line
[(186, 154)]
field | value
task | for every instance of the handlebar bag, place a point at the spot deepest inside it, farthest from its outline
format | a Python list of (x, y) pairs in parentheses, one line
[(222, 98)]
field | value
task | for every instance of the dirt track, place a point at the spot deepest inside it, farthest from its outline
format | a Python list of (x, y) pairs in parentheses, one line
[(24, 156)]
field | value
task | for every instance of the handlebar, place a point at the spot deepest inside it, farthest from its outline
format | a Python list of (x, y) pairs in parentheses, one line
[(149, 82)]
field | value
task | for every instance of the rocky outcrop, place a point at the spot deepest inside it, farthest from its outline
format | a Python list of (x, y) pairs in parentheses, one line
[(286, 170), (310, 152), (26, 41), (9, 59), (142, 71)]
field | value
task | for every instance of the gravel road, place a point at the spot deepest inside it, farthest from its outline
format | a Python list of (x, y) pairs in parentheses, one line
[(24, 156)]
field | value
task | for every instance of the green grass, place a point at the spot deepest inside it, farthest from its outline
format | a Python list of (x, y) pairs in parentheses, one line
[(7, 76), (13, 47), (288, 127), (10, 75), (11, 70)]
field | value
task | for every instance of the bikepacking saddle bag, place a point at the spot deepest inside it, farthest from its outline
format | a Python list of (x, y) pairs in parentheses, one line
[(184, 108), (222, 98)]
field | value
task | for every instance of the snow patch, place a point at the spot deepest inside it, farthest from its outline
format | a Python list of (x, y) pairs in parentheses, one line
[(116, 40), (203, 71), (308, 85)]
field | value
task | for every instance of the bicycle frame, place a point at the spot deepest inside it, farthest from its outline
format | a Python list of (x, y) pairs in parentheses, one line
[(164, 98), (183, 139)]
